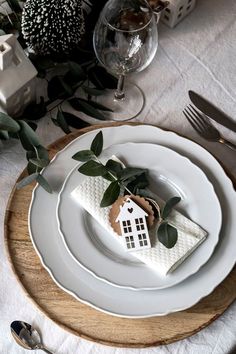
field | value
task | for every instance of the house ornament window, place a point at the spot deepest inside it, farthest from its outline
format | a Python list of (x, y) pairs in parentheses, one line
[(139, 222), (142, 239), (130, 241), (127, 226)]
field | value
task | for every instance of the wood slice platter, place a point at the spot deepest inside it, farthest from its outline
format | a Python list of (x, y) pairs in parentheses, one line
[(81, 319)]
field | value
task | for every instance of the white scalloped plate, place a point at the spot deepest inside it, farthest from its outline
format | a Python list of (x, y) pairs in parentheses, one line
[(71, 277), (171, 175)]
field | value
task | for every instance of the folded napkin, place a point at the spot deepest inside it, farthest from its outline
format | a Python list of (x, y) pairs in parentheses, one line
[(161, 259)]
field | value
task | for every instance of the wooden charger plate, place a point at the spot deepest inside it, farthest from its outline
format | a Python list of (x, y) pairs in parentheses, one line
[(81, 319)]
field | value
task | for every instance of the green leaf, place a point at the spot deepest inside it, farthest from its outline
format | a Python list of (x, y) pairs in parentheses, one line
[(42, 153), (145, 193), (114, 167), (31, 168), (75, 121), (39, 162), (85, 107), (167, 235), (56, 89), (44, 183), (62, 122), (109, 177), (97, 144), (93, 91), (77, 70), (55, 122), (67, 88), (8, 123), (110, 195), (4, 135), (35, 111), (169, 206), (138, 182), (92, 168), (27, 136), (14, 5), (101, 78), (130, 172), (97, 105), (27, 180), (83, 155)]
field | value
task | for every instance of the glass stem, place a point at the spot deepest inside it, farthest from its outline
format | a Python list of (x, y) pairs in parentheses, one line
[(119, 93)]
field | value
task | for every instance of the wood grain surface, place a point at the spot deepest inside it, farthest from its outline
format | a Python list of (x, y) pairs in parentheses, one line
[(81, 319)]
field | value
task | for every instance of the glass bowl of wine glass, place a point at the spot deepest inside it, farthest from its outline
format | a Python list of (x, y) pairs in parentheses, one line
[(125, 41)]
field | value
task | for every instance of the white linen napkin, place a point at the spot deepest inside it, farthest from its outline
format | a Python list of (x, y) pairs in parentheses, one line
[(161, 259)]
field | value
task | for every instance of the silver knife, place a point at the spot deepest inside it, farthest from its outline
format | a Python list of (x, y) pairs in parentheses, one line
[(211, 111)]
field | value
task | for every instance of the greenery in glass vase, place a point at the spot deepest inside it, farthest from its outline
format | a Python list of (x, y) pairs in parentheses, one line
[(72, 76)]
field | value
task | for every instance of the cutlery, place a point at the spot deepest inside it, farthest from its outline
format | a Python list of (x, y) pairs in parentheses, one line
[(211, 111), (27, 336), (203, 127)]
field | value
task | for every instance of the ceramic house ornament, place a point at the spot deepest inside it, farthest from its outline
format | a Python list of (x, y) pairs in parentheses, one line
[(133, 225), (17, 76), (176, 11)]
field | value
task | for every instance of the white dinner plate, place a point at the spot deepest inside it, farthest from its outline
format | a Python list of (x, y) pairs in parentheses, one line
[(71, 277), (170, 174)]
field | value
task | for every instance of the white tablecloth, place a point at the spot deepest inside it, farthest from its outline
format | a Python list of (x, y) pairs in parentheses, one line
[(199, 54)]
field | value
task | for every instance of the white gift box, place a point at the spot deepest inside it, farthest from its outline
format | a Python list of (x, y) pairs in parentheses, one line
[(17, 76), (176, 11)]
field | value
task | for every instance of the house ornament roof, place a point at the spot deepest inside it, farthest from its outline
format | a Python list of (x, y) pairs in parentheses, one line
[(130, 210)]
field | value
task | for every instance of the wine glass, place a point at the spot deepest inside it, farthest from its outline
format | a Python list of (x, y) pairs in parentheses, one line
[(125, 41)]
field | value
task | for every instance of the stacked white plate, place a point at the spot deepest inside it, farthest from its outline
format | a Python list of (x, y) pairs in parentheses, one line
[(84, 261)]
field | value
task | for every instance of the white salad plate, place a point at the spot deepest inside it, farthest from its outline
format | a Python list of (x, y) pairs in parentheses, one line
[(75, 280), (170, 174)]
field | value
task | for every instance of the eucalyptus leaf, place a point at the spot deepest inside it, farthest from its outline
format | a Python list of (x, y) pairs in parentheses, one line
[(4, 135), (92, 168), (138, 182), (74, 121), (77, 70), (114, 167), (67, 88), (110, 195), (83, 155), (97, 144), (27, 180), (167, 235), (55, 122), (169, 206), (44, 183), (35, 111), (85, 107), (27, 136), (42, 153), (146, 193), (96, 105), (109, 177), (128, 172), (39, 162), (62, 122), (7, 123), (31, 168), (93, 91), (101, 78)]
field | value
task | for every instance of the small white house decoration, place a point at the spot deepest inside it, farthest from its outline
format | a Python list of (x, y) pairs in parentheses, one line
[(176, 11), (134, 231), (17, 74)]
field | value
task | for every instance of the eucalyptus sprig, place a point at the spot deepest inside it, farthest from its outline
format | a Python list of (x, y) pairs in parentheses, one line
[(118, 175), (167, 234), (131, 180)]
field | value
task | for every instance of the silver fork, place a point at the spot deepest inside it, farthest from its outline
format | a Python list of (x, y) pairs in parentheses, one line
[(204, 128)]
